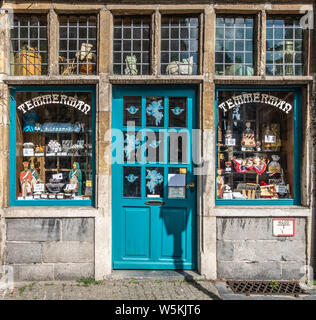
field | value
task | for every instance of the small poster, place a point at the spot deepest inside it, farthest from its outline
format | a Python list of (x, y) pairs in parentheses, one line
[(176, 192)]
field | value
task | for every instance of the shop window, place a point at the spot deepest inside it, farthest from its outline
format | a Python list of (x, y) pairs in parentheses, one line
[(28, 53), (257, 146), (234, 46), (179, 45), (284, 46), (131, 47), (77, 45), (52, 147)]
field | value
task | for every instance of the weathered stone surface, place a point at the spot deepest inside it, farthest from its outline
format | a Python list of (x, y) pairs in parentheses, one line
[(225, 250), (78, 229), (33, 272), (292, 270), (253, 229), (69, 271), (68, 251), (23, 252), (249, 270), (33, 229), (270, 250)]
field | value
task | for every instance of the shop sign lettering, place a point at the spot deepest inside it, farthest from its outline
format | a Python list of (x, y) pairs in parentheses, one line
[(255, 97), (54, 99)]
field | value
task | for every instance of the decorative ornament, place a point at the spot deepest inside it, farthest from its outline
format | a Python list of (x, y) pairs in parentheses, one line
[(131, 178), (153, 110), (154, 178), (177, 111)]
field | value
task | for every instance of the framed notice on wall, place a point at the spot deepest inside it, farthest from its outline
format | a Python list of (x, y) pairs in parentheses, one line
[(283, 227)]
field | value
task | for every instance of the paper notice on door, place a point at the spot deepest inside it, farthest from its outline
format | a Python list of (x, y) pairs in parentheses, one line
[(176, 180)]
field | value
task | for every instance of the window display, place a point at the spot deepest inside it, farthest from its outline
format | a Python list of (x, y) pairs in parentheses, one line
[(255, 145), (54, 146)]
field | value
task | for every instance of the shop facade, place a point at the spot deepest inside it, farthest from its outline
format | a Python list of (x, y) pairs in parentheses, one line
[(171, 136)]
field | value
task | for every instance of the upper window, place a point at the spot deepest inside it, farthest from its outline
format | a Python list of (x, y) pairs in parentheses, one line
[(131, 50), (284, 49), (77, 45), (29, 45), (257, 146), (179, 45), (51, 147), (234, 46)]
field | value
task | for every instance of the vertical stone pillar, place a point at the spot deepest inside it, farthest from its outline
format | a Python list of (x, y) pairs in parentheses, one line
[(260, 49), (53, 36), (207, 222), (103, 222), (155, 43)]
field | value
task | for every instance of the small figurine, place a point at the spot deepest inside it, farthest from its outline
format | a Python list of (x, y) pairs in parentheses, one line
[(35, 175), (248, 138), (269, 139), (26, 178), (75, 177), (274, 166), (219, 184), (229, 140)]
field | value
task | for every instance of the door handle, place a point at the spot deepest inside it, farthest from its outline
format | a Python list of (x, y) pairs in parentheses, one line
[(191, 186)]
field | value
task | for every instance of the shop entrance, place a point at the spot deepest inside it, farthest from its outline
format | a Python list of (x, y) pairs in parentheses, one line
[(153, 186)]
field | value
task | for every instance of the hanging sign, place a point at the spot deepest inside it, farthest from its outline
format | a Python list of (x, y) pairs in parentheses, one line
[(54, 99), (284, 227), (255, 97)]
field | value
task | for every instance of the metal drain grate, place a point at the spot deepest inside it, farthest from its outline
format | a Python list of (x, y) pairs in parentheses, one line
[(267, 287)]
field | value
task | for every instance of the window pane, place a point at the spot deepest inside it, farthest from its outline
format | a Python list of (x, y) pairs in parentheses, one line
[(281, 44), (136, 34), (54, 146), (255, 145), (80, 36), (237, 35), (29, 45), (180, 39)]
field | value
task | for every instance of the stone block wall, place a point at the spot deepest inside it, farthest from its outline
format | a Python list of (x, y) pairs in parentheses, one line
[(247, 249), (50, 249)]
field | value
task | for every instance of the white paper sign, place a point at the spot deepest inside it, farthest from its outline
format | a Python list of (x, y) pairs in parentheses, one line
[(283, 227), (153, 196), (28, 152), (58, 176), (230, 142), (70, 187), (39, 187), (270, 139), (176, 192), (176, 180)]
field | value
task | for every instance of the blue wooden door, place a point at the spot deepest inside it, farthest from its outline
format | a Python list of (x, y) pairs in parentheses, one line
[(153, 186)]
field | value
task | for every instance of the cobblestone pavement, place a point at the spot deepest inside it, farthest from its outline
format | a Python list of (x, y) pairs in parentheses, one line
[(129, 289)]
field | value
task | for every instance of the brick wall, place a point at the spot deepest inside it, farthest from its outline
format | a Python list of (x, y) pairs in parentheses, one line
[(50, 249), (246, 249)]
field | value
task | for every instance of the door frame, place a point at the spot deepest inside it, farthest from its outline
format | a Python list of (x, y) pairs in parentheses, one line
[(120, 90)]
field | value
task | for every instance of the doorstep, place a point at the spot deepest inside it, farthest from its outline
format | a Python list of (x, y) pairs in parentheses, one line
[(156, 275)]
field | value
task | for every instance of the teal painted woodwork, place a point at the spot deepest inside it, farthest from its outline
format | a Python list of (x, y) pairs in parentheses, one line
[(12, 168), (147, 236), (297, 148)]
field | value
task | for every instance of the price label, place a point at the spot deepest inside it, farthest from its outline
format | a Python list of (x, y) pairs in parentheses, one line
[(281, 189), (270, 139), (39, 187), (230, 142), (28, 152)]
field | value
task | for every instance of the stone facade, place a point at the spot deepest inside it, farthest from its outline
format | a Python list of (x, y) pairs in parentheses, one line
[(65, 243), (247, 249), (50, 249)]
